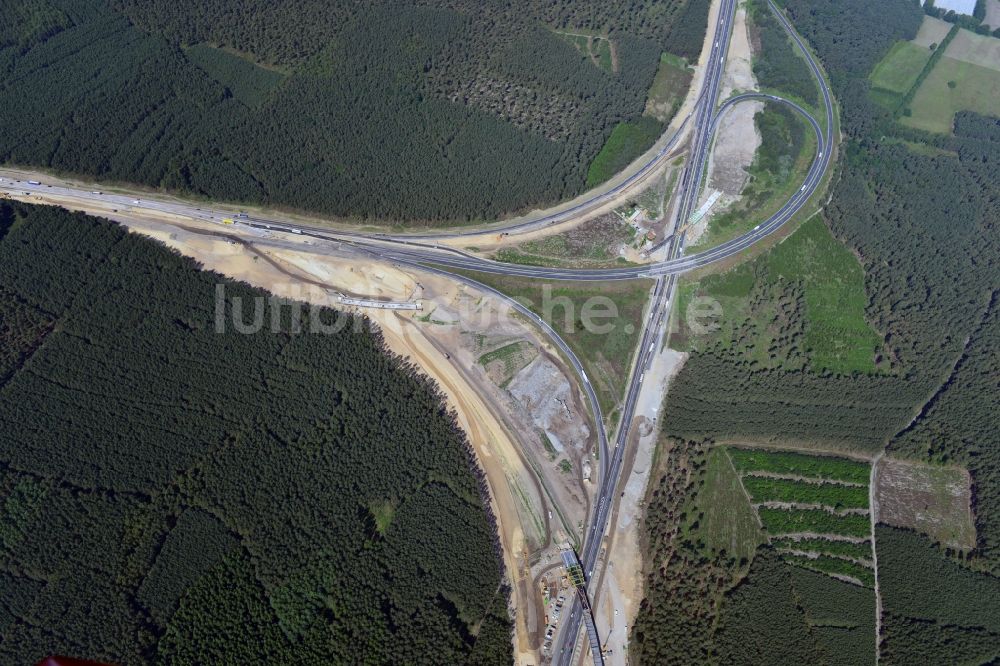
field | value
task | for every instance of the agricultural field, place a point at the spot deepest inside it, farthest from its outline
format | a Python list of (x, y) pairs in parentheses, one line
[(932, 499), (965, 77), (954, 85), (899, 70), (670, 85), (932, 32), (170, 493)]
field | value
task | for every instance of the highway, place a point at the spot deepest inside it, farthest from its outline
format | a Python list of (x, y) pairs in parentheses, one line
[(417, 250), (654, 323), (665, 289), (408, 249)]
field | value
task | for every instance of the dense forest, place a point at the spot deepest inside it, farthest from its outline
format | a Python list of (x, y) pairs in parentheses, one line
[(426, 110), (777, 64), (919, 213), (946, 614), (171, 494), (707, 603)]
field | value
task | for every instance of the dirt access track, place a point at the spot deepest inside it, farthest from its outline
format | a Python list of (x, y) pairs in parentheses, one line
[(529, 516)]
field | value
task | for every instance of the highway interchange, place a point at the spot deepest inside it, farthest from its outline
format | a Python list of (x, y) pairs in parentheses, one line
[(664, 291), (417, 250)]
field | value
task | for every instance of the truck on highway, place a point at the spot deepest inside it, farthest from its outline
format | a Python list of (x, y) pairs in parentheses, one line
[(33, 182)]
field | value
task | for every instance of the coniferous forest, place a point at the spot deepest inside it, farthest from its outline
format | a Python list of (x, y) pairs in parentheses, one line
[(174, 495), (423, 110), (919, 211)]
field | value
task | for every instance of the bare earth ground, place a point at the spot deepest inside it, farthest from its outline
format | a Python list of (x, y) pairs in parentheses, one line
[(933, 499), (621, 588), (976, 49), (736, 139), (529, 515), (932, 31)]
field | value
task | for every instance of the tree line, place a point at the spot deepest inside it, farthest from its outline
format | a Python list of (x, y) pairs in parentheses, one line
[(208, 496), (919, 211), (430, 110)]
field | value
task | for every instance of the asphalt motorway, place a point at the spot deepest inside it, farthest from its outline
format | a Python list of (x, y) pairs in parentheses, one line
[(415, 251), (665, 289), (654, 324)]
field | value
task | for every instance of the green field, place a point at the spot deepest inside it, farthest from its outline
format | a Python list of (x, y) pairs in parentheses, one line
[(249, 83), (668, 89), (900, 68), (836, 332), (800, 306), (849, 549), (780, 521), (976, 88), (606, 354), (728, 521), (800, 464), (834, 565), (765, 489), (627, 142)]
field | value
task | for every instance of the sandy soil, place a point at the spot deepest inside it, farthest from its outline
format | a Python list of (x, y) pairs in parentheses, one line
[(736, 139), (533, 511), (496, 447), (542, 386), (933, 499), (932, 31), (619, 597)]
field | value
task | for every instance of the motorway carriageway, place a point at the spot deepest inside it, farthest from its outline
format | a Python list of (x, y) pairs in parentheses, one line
[(665, 289)]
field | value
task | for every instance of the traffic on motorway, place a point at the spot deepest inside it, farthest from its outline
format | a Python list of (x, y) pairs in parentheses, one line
[(420, 249)]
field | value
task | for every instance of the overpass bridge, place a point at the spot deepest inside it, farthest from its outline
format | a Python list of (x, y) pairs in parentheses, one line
[(575, 573)]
